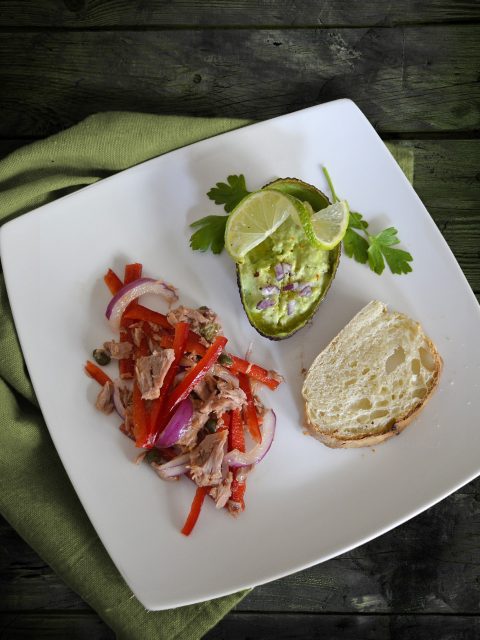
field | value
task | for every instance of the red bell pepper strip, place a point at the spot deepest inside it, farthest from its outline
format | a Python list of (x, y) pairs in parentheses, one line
[(140, 418), (132, 272), (126, 366), (139, 312), (249, 410), (179, 342), (113, 282), (236, 436), (253, 371), (196, 374), (96, 373), (192, 346), (236, 440), (143, 349), (226, 419), (195, 509)]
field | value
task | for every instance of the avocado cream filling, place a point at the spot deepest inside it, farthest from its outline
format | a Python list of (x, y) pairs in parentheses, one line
[(304, 278)]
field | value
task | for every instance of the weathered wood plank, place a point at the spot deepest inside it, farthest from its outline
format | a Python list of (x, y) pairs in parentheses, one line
[(338, 627), (404, 79), (54, 626), (80, 13), (428, 565), (242, 626)]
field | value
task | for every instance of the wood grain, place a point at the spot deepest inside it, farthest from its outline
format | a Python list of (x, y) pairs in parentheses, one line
[(422, 79), (55, 626), (241, 626), (101, 13), (338, 627)]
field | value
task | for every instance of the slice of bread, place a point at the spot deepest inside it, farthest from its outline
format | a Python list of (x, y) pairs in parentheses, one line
[(371, 380)]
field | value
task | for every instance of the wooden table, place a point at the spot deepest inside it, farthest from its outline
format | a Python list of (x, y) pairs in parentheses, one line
[(414, 69)]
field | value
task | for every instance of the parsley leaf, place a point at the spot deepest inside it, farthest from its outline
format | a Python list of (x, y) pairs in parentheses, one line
[(375, 258), (229, 193), (356, 221), (355, 246), (381, 246), (210, 235)]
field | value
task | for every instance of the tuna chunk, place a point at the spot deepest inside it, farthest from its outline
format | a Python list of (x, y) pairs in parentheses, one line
[(104, 401), (118, 350), (206, 459), (222, 492), (197, 422), (150, 372), (226, 399), (223, 397), (137, 335), (202, 320)]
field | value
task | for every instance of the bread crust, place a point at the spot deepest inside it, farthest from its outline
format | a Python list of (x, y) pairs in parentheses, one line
[(393, 429)]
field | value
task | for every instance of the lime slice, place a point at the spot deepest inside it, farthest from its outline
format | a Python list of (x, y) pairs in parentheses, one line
[(325, 228), (256, 217)]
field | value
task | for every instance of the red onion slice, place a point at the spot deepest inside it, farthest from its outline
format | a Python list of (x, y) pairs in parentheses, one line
[(117, 402), (131, 292), (292, 286), (176, 426), (236, 458), (291, 307), (173, 468)]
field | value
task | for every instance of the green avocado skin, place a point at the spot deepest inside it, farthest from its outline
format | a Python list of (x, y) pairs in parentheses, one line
[(273, 330)]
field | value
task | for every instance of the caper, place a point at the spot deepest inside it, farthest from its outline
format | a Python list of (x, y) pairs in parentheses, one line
[(153, 455), (101, 357), (225, 359), (209, 331), (211, 425)]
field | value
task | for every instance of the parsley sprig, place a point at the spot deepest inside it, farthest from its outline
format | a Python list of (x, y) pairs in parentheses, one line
[(364, 247), (358, 242), (211, 229)]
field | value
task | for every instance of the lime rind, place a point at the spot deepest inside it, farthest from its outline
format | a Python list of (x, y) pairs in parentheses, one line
[(326, 228), (256, 217)]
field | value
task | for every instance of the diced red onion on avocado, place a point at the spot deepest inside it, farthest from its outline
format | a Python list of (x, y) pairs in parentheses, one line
[(291, 307), (306, 291), (269, 290), (282, 269), (265, 304)]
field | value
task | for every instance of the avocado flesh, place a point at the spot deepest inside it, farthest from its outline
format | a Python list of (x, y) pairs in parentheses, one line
[(309, 266)]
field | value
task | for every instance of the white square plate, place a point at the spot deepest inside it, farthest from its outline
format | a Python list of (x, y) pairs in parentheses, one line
[(305, 502)]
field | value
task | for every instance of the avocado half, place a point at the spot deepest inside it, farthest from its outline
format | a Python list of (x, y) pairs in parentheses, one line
[(281, 327)]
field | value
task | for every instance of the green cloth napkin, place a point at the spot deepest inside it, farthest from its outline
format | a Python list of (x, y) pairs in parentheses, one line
[(36, 496)]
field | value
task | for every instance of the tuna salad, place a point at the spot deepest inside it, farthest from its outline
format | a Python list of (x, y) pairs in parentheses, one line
[(184, 400)]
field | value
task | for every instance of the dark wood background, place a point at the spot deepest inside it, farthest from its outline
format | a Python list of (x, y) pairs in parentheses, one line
[(414, 68)]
